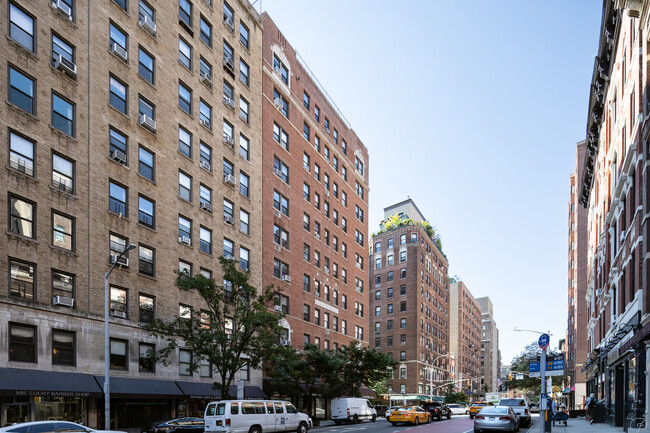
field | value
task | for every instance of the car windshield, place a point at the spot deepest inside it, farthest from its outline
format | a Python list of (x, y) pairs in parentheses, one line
[(405, 409), (512, 402), (479, 404), (494, 410)]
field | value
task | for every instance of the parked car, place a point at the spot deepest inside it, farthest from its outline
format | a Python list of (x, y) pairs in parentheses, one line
[(409, 414), (477, 406), (177, 425), (51, 426), (501, 418), (389, 410), (534, 408), (381, 409), (458, 409), (520, 406), (254, 416), (437, 409), (352, 409)]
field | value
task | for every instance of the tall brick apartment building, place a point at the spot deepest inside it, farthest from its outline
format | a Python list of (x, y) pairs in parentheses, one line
[(465, 335), (490, 353), (615, 191), (409, 304), (315, 201), (577, 319), (125, 122)]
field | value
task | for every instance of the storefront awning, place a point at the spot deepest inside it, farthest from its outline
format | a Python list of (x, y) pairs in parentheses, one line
[(141, 388), (40, 383), (204, 391)]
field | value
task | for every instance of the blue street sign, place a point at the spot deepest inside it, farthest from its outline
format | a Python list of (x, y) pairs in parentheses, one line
[(555, 365), (543, 341)]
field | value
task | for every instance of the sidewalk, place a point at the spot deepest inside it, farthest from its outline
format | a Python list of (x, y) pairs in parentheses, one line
[(579, 425)]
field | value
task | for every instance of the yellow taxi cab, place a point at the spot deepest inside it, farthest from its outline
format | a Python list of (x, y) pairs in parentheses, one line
[(477, 406), (411, 414)]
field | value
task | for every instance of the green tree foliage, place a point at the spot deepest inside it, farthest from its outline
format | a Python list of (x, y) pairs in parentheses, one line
[(520, 364), (455, 397), (396, 221), (235, 327), (362, 366)]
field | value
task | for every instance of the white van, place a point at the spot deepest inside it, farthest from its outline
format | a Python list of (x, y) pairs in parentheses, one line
[(352, 409), (254, 416)]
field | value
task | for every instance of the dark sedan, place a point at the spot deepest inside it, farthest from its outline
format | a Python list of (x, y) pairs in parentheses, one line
[(177, 425)]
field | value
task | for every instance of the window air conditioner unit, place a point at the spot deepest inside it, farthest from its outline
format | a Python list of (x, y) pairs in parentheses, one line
[(623, 233), (278, 213), (205, 123), (206, 165), (118, 155), (148, 122), (358, 265), (65, 65), (229, 179), (62, 8), (286, 278), (123, 261), (118, 313), (278, 103), (148, 24), (317, 235), (327, 331), (206, 206), (277, 247), (278, 308), (206, 79), (327, 192), (63, 300), (120, 51), (185, 239), (277, 171), (327, 270), (228, 219), (228, 140), (229, 102), (285, 342), (228, 63), (229, 23)]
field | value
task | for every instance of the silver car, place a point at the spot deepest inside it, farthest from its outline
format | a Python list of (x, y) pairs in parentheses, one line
[(51, 427), (501, 418)]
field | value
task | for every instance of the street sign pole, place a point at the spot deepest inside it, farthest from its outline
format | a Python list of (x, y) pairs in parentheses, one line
[(543, 344)]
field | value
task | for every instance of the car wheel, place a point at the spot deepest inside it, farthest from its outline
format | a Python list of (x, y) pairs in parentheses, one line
[(448, 415), (428, 419), (374, 418), (255, 429), (439, 416), (394, 423), (355, 420), (302, 428), (466, 412), (417, 420)]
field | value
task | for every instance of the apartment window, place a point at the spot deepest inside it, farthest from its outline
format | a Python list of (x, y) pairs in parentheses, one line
[(185, 97), (281, 169), (306, 316), (344, 147), (389, 307), (205, 68), (359, 190), (317, 201), (228, 131), (244, 221), (184, 230), (306, 283), (317, 113), (244, 35), (184, 362), (244, 73), (21, 90), (228, 210), (117, 37), (185, 53), (146, 108), (22, 216), (305, 131), (317, 143), (146, 11), (281, 69), (146, 261), (22, 343), (280, 203), (63, 114), (280, 102), (402, 256), (280, 136), (244, 147), (378, 264), (280, 236), (402, 323), (306, 252), (119, 94), (336, 136), (228, 15), (184, 140), (205, 114), (146, 363), (317, 264), (402, 306), (22, 283), (205, 236), (244, 258), (205, 197), (146, 308), (327, 124), (228, 249), (118, 300), (185, 12), (21, 153), (184, 186), (244, 110), (228, 57), (117, 199), (280, 269), (62, 284), (305, 191), (344, 250), (63, 228), (389, 327), (358, 332), (358, 236), (146, 163), (206, 31), (184, 267), (146, 212), (146, 65), (344, 199), (22, 27), (63, 347)]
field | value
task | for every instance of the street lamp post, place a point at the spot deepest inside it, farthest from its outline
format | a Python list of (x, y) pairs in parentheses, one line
[(107, 391), (431, 375)]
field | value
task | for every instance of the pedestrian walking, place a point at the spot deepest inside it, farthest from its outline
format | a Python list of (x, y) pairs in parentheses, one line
[(591, 406)]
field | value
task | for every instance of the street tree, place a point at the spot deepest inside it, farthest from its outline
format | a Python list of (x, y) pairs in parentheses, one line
[(520, 364), (455, 397), (236, 327)]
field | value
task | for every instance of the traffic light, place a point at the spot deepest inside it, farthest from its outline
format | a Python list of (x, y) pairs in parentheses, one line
[(510, 376)]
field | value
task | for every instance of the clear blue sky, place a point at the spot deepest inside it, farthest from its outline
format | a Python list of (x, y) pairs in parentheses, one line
[(473, 109)]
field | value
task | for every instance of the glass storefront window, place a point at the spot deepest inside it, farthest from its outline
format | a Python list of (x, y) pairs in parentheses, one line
[(59, 409), (16, 409)]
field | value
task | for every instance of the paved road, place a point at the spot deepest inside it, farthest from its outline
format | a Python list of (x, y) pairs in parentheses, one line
[(457, 424)]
